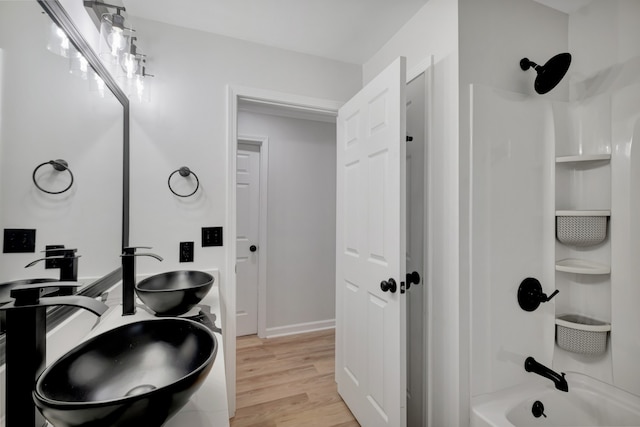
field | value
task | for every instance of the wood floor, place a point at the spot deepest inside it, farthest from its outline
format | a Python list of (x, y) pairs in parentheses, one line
[(288, 382)]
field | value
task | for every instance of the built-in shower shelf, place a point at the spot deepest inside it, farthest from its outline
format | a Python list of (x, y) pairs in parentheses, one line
[(581, 228), (583, 158), (581, 334), (582, 266)]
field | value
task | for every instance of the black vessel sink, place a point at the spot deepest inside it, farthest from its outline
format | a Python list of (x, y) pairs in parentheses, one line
[(138, 374), (175, 292)]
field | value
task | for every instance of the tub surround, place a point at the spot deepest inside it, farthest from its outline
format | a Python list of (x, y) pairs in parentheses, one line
[(589, 403)]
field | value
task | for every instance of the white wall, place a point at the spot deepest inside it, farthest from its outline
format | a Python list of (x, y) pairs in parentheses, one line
[(605, 89), (47, 114), (512, 229), (431, 31), (494, 36), (301, 218), (185, 124), (434, 31)]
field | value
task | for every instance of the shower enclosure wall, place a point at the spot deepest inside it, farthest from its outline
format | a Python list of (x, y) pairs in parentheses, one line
[(531, 157)]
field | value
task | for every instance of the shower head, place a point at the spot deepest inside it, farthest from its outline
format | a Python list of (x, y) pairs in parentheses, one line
[(549, 74)]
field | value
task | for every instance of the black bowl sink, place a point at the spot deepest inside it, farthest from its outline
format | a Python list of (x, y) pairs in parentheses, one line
[(138, 374), (175, 292)]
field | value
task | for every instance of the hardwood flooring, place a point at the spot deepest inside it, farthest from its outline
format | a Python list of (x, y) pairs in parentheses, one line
[(288, 382)]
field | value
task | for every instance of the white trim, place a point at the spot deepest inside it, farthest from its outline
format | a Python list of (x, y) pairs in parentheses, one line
[(300, 328), (419, 68), (427, 277), (262, 107), (263, 143), (228, 289)]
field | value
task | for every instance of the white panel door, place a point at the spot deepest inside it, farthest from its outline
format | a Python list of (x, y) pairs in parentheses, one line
[(247, 235), (370, 249)]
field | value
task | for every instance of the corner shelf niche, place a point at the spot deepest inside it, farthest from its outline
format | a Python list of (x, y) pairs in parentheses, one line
[(581, 266), (583, 158), (581, 228), (581, 334)]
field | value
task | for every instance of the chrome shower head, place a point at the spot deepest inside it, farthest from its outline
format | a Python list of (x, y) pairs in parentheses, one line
[(549, 74)]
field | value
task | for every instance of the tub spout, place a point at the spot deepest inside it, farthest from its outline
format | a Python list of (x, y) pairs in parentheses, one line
[(531, 365)]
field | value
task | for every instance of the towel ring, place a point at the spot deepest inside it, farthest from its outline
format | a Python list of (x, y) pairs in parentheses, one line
[(185, 172), (59, 165)]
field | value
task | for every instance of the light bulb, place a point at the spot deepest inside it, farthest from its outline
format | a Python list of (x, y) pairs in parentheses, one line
[(99, 85), (116, 41), (129, 65), (112, 38), (64, 40), (78, 65), (58, 41)]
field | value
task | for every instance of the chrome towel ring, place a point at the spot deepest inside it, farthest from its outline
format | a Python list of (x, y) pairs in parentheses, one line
[(59, 165), (184, 172)]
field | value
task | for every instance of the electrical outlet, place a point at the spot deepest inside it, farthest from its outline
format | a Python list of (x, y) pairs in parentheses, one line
[(211, 236), (186, 251), (19, 240)]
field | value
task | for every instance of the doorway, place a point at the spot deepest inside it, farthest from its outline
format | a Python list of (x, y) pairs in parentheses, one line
[(416, 176), (251, 234), (304, 105), (297, 208)]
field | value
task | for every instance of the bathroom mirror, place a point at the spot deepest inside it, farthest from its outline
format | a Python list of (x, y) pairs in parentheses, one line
[(60, 107)]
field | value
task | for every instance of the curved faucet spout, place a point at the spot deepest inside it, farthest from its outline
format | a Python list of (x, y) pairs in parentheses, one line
[(129, 277), (531, 365)]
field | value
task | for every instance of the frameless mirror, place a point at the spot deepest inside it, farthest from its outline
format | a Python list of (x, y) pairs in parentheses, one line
[(55, 107)]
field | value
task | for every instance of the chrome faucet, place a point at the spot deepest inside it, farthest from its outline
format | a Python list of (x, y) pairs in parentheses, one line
[(26, 345), (129, 277), (531, 365)]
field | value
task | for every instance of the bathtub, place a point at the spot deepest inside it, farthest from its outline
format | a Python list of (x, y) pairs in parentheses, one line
[(588, 403)]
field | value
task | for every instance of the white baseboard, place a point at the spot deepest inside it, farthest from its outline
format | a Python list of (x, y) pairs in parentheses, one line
[(300, 328)]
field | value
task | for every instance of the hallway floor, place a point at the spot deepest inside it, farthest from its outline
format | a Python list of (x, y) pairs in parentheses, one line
[(288, 382)]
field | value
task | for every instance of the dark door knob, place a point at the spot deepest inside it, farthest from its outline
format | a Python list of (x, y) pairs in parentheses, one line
[(413, 279), (253, 248), (389, 286)]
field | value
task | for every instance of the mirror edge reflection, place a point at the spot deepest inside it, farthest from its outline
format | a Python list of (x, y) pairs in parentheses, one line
[(59, 15)]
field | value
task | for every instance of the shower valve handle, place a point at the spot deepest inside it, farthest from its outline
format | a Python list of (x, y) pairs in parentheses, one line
[(544, 297), (530, 294)]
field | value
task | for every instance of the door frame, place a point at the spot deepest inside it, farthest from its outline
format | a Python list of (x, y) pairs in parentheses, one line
[(262, 142), (303, 105), (282, 100)]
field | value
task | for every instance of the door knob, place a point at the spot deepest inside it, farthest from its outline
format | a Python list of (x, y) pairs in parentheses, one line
[(253, 248), (413, 279), (389, 286)]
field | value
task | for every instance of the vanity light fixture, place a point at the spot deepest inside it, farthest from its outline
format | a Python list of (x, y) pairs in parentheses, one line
[(79, 66), (96, 84), (119, 50), (59, 42), (141, 87), (112, 31), (128, 59)]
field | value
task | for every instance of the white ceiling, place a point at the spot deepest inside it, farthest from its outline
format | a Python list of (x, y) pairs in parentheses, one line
[(566, 6), (344, 30)]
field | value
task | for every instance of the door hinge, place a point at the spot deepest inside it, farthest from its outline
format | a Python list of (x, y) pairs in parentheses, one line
[(402, 287)]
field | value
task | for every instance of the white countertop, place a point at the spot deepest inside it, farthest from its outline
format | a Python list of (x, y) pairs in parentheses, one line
[(208, 405)]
